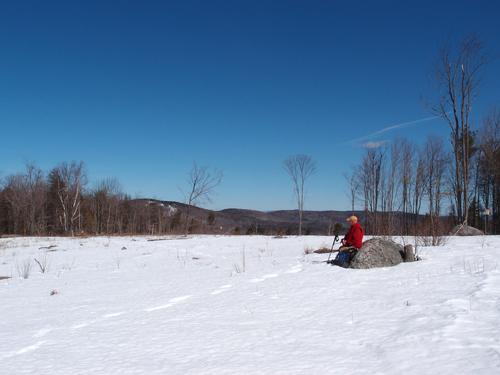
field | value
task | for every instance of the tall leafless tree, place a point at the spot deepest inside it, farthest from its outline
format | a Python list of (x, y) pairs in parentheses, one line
[(370, 180), (299, 167), (434, 163), (407, 150), (105, 199), (68, 182), (419, 185), (458, 75), (36, 198), (25, 194), (15, 197), (391, 186), (489, 171), (201, 184), (353, 184)]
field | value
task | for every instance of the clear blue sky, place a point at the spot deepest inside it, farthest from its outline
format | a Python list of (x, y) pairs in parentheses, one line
[(140, 89)]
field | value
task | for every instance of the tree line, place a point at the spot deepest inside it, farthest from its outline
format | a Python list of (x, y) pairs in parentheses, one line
[(415, 180), (33, 202), (412, 189)]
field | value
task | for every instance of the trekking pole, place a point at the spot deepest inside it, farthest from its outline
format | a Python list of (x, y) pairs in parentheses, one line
[(333, 244), (336, 231)]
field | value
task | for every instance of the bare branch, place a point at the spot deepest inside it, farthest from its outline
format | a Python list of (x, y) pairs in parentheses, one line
[(299, 167), (201, 184)]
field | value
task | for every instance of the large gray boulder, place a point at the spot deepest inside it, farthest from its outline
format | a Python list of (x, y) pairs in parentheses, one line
[(465, 230), (378, 252)]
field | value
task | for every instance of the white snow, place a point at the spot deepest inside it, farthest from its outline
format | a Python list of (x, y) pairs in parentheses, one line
[(171, 210), (245, 305)]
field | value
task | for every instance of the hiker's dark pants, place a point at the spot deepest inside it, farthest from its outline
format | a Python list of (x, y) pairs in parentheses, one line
[(345, 255)]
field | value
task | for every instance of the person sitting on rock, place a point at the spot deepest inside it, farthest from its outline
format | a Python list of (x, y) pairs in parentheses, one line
[(351, 243)]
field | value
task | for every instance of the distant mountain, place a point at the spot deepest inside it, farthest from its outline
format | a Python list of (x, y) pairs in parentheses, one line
[(244, 221)]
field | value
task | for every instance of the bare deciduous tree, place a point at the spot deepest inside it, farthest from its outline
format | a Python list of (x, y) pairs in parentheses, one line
[(299, 168), (393, 188), (353, 184), (371, 181), (68, 181), (435, 166), (36, 198), (25, 194), (457, 77), (488, 180), (15, 198), (406, 173), (201, 184), (104, 205), (419, 185)]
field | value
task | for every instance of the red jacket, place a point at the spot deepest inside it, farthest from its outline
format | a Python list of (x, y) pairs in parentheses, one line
[(354, 237)]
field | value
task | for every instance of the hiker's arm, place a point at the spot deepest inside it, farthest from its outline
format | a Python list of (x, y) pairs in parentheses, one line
[(344, 240)]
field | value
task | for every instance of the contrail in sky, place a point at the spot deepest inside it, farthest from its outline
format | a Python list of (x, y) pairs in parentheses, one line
[(392, 127)]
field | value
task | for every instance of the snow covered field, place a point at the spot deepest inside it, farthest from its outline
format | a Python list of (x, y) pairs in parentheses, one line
[(244, 305)]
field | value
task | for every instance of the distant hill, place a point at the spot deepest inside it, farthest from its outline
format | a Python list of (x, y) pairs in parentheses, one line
[(244, 221)]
